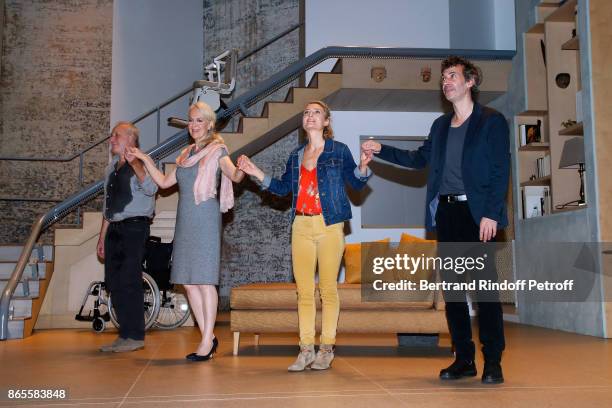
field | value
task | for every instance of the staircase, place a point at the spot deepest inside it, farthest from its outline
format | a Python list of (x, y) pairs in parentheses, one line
[(31, 289), (278, 118), (349, 86)]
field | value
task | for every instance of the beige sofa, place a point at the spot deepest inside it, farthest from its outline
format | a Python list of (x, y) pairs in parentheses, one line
[(272, 308)]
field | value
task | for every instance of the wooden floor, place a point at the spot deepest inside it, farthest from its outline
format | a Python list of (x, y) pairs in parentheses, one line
[(543, 368)]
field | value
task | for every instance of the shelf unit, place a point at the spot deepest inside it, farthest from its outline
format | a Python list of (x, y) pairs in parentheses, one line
[(535, 147), (574, 130), (572, 44), (552, 53), (542, 181)]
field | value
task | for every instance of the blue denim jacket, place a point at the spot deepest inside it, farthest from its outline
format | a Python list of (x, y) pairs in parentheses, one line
[(335, 168)]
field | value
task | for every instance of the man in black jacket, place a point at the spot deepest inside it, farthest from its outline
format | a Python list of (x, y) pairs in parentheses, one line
[(467, 152)]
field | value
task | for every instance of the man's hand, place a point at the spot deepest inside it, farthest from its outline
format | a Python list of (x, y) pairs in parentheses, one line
[(370, 147), (100, 248), (488, 229)]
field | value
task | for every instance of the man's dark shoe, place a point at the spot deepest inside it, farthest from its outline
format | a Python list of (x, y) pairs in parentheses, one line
[(459, 369), (492, 373)]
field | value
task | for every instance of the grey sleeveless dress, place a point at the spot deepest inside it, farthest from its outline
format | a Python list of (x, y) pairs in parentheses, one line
[(197, 236)]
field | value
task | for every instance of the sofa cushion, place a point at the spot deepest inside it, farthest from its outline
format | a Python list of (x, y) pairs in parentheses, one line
[(416, 247), (352, 259), (266, 296)]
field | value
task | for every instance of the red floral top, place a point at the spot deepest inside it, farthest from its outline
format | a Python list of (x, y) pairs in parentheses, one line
[(308, 195)]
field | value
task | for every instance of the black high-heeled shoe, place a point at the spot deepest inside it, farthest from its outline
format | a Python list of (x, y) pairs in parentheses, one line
[(198, 357)]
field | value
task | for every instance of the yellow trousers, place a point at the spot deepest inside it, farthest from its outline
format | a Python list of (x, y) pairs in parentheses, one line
[(312, 243)]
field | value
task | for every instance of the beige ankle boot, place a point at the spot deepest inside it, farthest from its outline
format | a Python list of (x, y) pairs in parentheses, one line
[(304, 359), (324, 357)]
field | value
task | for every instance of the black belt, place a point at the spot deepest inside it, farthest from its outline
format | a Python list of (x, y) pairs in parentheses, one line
[(305, 214), (134, 219), (452, 198)]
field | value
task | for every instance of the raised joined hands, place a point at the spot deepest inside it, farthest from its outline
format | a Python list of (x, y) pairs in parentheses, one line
[(245, 164), (133, 153), (368, 148), (371, 147)]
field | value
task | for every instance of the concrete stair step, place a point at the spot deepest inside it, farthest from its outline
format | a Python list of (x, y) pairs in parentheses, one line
[(32, 286), (15, 328), (30, 271), (166, 234), (165, 214), (21, 307), (164, 223), (11, 253)]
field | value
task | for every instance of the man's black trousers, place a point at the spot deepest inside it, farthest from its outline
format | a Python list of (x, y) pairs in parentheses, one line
[(124, 248), (454, 223)]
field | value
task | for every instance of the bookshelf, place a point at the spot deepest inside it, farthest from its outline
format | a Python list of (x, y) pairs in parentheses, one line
[(552, 81), (542, 181), (575, 130), (572, 44)]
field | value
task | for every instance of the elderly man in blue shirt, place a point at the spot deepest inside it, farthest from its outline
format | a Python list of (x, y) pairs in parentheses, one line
[(129, 204)]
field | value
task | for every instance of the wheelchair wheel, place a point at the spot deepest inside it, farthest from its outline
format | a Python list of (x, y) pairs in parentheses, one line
[(151, 302), (173, 311), (98, 324)]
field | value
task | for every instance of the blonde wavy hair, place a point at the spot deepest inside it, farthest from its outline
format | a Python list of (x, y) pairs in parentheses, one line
[(208, 115), (328, 132)]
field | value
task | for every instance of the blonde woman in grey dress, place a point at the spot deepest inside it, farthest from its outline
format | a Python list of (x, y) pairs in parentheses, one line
[(201, 168)]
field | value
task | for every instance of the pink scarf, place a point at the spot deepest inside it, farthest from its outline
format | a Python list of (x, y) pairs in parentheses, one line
[(205, 185)]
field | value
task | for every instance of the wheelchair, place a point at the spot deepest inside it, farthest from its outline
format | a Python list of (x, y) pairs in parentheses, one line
[(164, 307), (103, 310), (174, 307)]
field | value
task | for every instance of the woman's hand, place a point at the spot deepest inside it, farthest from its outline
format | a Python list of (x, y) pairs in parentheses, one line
[(136, 159), (371, 146), (245, 164), (365, 159), (133, 153), (231, 171)]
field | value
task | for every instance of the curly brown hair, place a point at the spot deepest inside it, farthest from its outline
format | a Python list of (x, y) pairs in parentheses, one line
[(470, 71)]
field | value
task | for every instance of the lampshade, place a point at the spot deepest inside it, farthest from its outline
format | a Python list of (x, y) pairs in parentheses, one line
[(573, 153)]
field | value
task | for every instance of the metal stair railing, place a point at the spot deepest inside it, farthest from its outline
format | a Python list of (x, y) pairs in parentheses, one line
[(292, 72), (81, 153), (238, 105), (154, 111)]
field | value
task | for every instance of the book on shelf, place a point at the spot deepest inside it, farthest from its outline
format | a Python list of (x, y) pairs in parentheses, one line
[(536, 201), (530, 133), (543, 166)]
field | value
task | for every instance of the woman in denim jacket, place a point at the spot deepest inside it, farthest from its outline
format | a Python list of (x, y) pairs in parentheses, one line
[(316, 175)]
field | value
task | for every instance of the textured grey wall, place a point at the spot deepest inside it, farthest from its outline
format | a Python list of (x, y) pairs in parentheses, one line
[(256, 238), (244, 25), (54, 100), (1, 32)]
